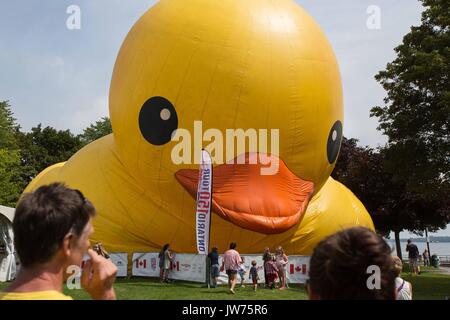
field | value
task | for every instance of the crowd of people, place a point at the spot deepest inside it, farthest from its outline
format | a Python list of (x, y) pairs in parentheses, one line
[(274, 266), (338, 268), (53, 224)]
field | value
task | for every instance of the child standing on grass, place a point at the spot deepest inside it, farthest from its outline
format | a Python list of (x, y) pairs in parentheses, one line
[(403, 289), (272, 271), (242, 272), (254, 275)]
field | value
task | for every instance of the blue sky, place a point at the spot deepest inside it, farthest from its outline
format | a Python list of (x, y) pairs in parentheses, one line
[(60, 77)]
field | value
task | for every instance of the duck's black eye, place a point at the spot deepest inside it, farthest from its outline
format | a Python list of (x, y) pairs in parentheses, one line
[(158, 120), (334, 141)]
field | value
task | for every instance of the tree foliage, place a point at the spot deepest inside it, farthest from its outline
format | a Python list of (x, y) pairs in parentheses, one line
[(8, 127), (10, 170), (416, 115), (391, 204), (10, 177), (24, 154), (96, 131), (43, 147)]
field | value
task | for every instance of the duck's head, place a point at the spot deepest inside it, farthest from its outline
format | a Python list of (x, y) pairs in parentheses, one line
[(254, 64)]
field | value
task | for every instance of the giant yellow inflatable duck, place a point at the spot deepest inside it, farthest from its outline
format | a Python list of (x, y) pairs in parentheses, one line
[(230, 64)]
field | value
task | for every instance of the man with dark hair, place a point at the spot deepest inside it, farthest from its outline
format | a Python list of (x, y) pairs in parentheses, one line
[(342, 263), (51, 228), (413, 256)]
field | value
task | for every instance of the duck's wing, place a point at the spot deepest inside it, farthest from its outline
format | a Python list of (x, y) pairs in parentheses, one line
[(332, 209)]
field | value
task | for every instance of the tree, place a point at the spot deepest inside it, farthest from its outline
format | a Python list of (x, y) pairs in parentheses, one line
[(42, 148), (416, 117), (416, 120), (391, 205), (96, 131), (8, 127), (10, 186), (24, 155), (362, 170)]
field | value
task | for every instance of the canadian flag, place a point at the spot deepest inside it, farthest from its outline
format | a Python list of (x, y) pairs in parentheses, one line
[(175, 265), (141, 263), (293, 268)]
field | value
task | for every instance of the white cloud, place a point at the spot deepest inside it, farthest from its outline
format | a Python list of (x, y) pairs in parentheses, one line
[(56, 62), (85, 115)]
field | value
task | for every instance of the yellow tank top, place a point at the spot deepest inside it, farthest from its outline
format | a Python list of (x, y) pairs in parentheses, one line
[(35, 295)]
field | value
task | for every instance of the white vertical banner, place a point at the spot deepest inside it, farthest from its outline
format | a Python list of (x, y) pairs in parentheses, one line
[(204, 196)]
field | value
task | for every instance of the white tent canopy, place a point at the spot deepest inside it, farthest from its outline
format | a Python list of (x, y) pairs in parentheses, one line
[(7, 258), (7, 212)]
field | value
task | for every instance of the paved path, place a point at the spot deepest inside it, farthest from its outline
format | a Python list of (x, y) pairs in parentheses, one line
[(444, 270), (441, 270)]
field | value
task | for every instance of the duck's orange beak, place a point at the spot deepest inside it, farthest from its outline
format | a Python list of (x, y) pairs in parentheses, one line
[(266, 204)]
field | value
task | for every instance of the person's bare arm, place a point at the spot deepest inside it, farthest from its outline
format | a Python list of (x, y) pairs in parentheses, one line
[(98, 277), (411, 289)]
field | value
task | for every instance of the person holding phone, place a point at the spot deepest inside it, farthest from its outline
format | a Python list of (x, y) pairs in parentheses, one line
[(51, 228)]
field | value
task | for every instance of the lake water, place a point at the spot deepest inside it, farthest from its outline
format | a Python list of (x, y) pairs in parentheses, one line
[(438, 248)]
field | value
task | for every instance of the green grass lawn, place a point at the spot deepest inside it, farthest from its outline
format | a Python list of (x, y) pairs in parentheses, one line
[(147, 288), (427, 286)]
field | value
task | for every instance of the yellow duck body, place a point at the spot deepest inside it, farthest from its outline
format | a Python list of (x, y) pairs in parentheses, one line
[(259, 64)]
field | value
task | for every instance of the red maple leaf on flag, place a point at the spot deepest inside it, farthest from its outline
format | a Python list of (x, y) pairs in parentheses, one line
[(141, 263)]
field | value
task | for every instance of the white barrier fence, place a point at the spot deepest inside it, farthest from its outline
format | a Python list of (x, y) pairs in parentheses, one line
[(192, 267), (189, 267), (120, 259)]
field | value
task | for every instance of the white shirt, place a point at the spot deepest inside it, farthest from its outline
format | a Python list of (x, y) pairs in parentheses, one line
[(403, 289)]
